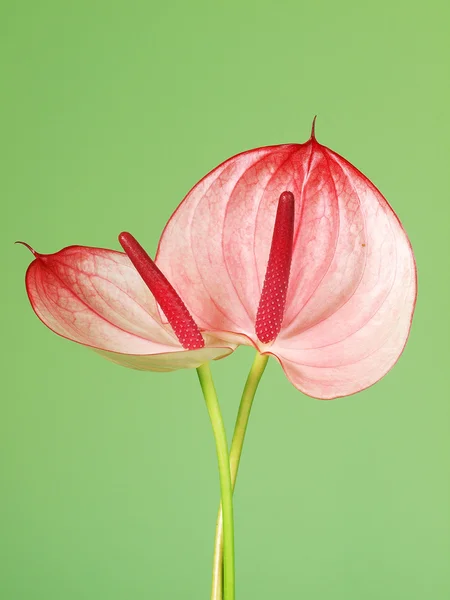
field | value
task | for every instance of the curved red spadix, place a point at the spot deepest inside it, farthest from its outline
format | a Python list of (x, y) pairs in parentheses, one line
[(273, 296), (352, 282), (97, 298), (173, 306)]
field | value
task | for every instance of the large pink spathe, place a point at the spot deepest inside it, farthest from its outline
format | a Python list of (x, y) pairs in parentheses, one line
[(352, 284)]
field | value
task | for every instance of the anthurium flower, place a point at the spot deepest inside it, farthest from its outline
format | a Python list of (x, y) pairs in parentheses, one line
[(291, 249), (108, 301)]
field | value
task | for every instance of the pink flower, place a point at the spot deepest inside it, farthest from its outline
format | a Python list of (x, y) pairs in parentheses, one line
[(96, 297), (292, 250)]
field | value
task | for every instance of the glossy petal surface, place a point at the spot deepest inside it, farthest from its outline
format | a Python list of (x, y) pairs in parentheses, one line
[(352, 284), (96, 297)]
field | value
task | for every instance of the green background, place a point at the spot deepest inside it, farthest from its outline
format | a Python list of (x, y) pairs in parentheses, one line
[(110, 113)]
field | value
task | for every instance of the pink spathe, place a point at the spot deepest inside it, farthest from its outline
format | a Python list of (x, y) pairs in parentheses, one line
[(97, 298), (351, 288)]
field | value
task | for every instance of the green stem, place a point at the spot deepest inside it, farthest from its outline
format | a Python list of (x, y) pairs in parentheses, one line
[(251, 385), (226, 489)]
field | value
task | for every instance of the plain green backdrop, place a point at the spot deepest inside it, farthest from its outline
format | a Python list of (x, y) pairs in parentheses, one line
[(110, 112)]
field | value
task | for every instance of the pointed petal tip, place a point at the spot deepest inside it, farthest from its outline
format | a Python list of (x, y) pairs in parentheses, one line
[(32, 250), (313, 128)]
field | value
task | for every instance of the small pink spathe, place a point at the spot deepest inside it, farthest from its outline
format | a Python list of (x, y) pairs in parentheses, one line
[(97, 298)]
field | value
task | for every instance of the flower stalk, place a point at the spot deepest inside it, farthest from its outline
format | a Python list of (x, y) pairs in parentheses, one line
[(245, 407), (226, 489)]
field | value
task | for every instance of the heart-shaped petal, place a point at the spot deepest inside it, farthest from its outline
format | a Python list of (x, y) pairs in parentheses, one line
[(352, 283), (96, 297)]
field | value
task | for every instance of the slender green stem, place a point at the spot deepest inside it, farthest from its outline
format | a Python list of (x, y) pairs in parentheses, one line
[(226, 488), (251, 385)]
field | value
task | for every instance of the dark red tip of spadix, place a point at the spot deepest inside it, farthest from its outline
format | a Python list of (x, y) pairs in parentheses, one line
[(170, 302), (273, 296)]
